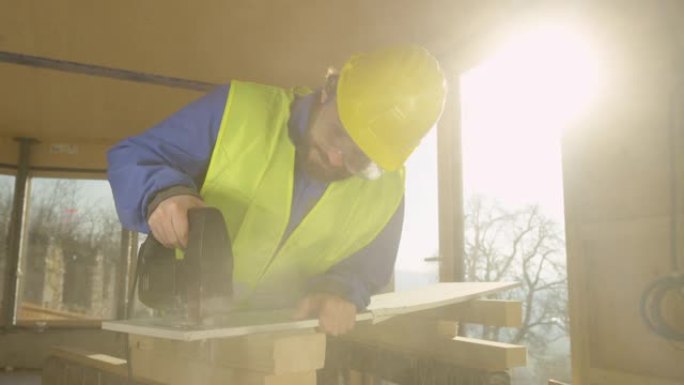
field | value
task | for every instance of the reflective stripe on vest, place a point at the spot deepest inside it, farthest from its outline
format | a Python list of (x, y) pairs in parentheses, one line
[(250, 179)]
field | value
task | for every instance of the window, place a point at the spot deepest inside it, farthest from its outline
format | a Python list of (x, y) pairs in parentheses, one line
[(71, 252), (6, 195), (514, 107), (514, 222)]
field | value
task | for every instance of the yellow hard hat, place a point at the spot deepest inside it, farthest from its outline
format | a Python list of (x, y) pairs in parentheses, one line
[(389, 99)]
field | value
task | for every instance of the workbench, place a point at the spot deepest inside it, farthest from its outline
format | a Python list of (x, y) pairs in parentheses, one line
[(408, 337)]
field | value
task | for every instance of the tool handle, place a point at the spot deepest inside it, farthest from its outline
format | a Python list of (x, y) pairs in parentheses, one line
[(209, 254)]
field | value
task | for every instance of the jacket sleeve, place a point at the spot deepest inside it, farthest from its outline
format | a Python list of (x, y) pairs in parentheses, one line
[(175, 152), (364, 273)]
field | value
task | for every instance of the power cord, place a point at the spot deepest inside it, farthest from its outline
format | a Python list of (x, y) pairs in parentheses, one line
[(652, 304)]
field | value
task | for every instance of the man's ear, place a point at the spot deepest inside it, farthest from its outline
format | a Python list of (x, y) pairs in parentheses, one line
[(325, 95), (329, 89)]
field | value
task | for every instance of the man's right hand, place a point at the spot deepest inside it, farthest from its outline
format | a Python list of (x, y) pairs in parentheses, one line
[(169, 220)]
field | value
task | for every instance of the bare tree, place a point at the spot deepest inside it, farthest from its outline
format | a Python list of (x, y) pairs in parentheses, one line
[(520, 245), (78, 238), (5, 204)]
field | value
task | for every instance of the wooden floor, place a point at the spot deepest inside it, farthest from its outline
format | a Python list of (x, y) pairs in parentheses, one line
[(20, 378)]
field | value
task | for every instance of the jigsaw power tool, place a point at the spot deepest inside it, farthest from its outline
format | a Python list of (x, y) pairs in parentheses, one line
[(193, 287)]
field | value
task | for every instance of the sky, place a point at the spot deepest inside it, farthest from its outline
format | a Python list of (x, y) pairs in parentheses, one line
[(420, 234), (515, 167)]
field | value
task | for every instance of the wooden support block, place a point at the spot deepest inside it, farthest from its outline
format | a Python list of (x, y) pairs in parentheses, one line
[(207, 374), (354, 377), (447, 329), (271, 352), (490, 312), (181, 372), (259, 359), (475, 353), (404, 334)]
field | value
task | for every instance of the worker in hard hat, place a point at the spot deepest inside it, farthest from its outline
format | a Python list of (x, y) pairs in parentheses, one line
[(311, 184)]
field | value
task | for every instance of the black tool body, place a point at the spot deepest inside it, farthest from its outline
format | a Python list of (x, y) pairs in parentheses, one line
[(199, 284)]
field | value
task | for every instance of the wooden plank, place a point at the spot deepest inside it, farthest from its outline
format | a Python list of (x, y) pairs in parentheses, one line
[(68, 365), (405, 334), (95, 360), (382, 307), (399, 367), (489, 312), (33, 312), (474, 353)]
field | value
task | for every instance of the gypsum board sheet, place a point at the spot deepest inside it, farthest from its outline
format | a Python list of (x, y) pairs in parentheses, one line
[(240, 323)]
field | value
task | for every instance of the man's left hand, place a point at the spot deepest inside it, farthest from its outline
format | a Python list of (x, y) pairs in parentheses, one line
[(336, 315)]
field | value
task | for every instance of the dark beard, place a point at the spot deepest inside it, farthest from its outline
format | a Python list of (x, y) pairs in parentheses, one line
[(316, 170)]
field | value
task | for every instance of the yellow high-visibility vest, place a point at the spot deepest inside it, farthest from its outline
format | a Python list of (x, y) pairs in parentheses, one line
[(250, 179)]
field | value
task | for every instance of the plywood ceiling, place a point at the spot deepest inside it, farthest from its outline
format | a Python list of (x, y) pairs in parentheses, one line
[(277, 42)]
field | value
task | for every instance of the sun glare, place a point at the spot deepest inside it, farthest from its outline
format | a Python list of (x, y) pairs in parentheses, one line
[(544, 76), (514, 107)]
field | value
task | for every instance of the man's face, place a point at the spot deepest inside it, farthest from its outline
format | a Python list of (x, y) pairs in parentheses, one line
[(328, 153)]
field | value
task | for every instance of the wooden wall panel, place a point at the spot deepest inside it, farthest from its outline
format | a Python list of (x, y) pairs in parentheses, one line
[(625, 257), (617, 181)]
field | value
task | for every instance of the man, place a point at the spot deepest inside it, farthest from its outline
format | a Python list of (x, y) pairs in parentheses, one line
[(310, 184)]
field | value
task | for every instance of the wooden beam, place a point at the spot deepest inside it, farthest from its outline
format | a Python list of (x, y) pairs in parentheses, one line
[(83, 357), (474, 353), (489, 312), (501, 313), (427, 339), (402, 367), (450, 169)]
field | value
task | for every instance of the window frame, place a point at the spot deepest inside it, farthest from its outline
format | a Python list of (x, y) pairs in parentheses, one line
[(7, 276), (128, 249)]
